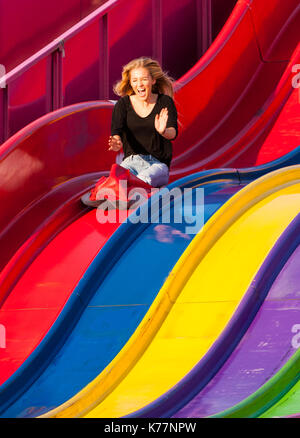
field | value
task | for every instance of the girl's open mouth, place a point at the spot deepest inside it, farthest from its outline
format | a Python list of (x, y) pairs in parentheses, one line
[(141, 92)]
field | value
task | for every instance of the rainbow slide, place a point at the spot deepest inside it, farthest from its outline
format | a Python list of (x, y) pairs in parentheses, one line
[(116, 315), (191, 325), (69, 326)]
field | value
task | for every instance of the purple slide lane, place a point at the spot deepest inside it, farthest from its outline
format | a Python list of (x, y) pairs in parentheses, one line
[(263, 350)]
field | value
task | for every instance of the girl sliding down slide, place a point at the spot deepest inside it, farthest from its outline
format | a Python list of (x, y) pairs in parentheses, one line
[(144, 123)]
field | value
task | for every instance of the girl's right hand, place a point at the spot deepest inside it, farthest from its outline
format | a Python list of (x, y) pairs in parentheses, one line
[(115, 143)]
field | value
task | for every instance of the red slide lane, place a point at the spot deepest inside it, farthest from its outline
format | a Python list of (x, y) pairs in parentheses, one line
[(53, 173), (45, 286)]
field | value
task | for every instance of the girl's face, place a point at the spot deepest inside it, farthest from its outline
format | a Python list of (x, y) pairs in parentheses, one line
[(141, 82)]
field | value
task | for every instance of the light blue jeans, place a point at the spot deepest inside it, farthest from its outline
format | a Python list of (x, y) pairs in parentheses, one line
[(148, 169)]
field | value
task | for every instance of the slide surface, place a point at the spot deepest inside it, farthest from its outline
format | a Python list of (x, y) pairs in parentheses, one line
[(114, 303), (199, 304), (268, 343), (54, 177), (252, 133)]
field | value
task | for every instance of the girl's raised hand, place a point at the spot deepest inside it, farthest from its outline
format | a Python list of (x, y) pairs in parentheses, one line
[(160, 122)]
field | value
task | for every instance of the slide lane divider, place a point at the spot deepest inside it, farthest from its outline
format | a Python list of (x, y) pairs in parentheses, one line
[(290, 159)]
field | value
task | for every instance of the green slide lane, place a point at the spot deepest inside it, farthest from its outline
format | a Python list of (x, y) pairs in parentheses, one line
[(288, 405)]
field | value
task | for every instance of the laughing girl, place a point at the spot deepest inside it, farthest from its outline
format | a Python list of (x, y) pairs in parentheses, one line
[(144, 121)]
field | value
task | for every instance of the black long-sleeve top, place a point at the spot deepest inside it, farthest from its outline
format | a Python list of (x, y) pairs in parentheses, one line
[(138, 134)]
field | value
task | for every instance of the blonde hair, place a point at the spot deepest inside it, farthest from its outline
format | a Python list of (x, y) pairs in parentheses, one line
[(163, 84)]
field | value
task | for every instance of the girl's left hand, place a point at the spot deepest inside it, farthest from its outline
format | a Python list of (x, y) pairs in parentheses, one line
[(160, 122), (115, 143)]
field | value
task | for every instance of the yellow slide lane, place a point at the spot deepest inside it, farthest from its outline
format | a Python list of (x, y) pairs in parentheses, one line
[(197, 300)]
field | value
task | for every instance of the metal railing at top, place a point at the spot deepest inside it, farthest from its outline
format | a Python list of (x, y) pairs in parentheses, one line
[(83, 62)]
